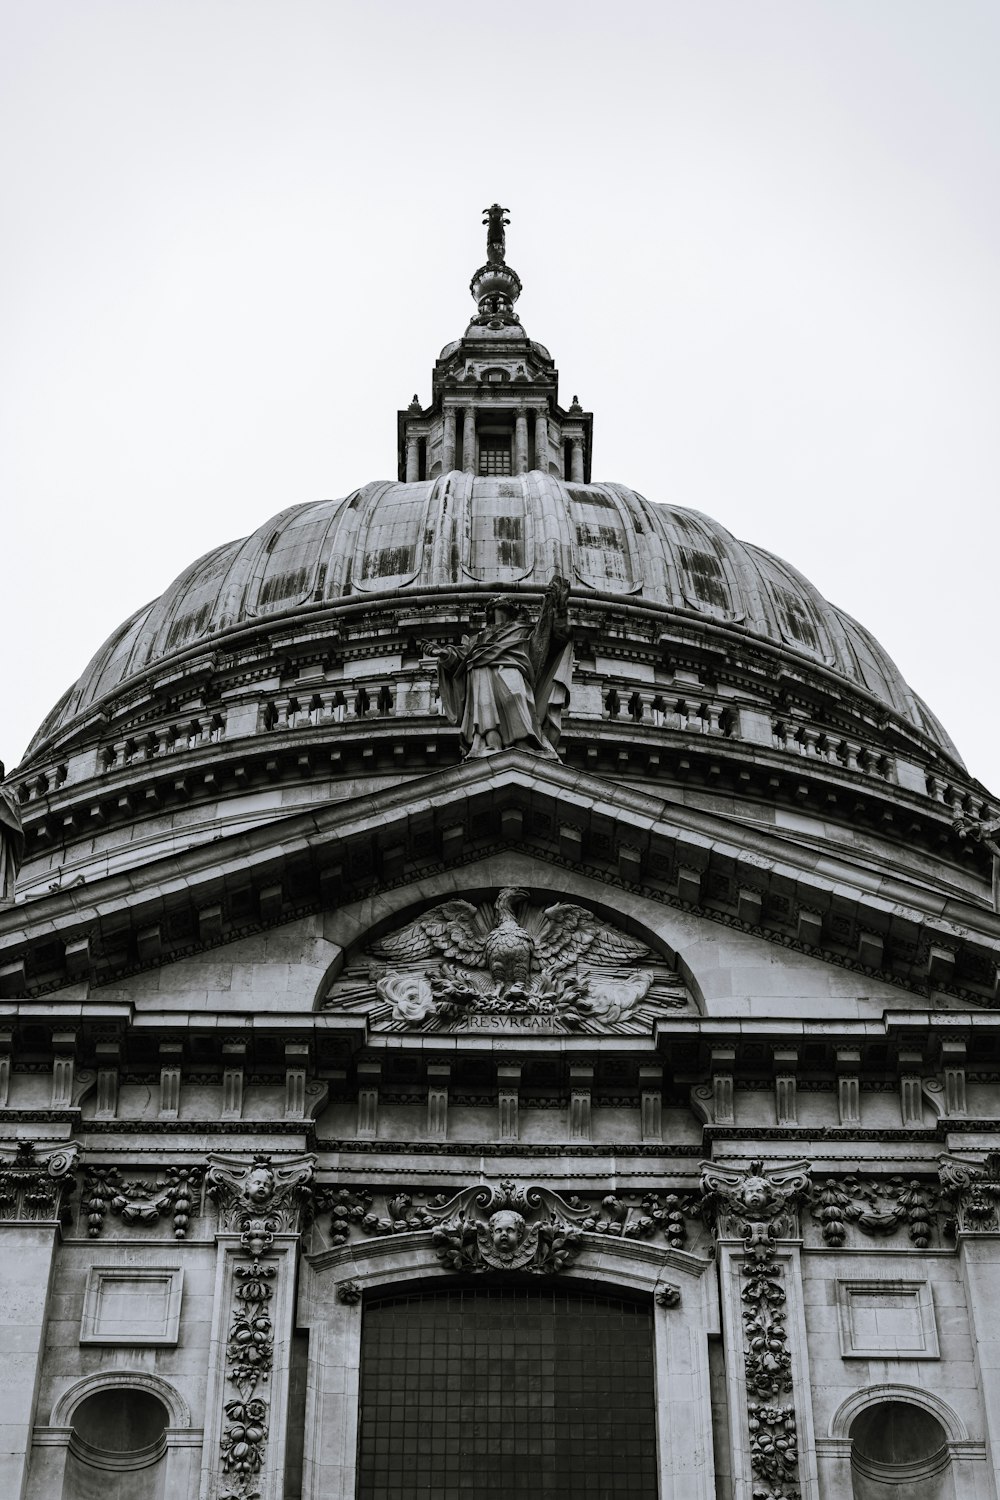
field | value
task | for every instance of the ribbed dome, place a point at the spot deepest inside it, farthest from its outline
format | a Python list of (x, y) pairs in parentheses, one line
[(460, 531)]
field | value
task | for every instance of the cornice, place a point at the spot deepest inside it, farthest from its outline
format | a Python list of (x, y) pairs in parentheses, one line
[(703, 863)]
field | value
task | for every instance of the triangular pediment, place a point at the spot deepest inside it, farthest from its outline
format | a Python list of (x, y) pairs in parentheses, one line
[(693, 861)]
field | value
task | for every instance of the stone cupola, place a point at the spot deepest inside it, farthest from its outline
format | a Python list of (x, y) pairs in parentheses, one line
[(495, 393)]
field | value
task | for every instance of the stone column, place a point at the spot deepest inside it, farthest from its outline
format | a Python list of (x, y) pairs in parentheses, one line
[(576, 460), (32, 1184), (469, 456), (521, 442), (542, 440), (448, 441), (412, 457), (246, 1410), (755, 1217)]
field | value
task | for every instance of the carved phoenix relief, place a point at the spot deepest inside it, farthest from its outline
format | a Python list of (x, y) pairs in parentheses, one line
[(509, 964)]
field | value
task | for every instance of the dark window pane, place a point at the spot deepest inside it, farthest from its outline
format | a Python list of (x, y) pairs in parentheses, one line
[(504, 1391), (494, 454)]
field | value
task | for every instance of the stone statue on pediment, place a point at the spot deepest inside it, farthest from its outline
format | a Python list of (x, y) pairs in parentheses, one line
[(11, 840), (985, 831), (507, 685)]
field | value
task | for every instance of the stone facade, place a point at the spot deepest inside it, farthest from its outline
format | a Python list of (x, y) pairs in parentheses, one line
[(300, 1009)]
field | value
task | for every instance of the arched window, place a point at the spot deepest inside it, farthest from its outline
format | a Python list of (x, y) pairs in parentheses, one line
[(507, 1390)]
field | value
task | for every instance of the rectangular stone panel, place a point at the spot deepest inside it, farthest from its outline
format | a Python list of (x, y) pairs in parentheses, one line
[(880, 1318), (131, 1305)]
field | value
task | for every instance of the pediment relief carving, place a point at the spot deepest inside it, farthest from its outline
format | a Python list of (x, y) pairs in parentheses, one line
[(509, 963)]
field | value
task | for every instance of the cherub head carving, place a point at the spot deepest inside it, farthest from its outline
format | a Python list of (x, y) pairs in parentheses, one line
[(757, 1198), (259, 1187), (507, 1230)]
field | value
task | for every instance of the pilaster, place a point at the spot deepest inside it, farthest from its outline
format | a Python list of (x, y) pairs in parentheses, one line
[(246, 1413), (755, 1216), (974, 1190), (33, 1185)]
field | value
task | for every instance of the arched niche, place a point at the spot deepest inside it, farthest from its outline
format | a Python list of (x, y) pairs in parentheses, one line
[(177, 1409), (334, 1287), (900, 1442), (121, 1432)]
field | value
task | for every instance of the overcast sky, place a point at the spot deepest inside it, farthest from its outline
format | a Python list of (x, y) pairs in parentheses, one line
[(761, 238)]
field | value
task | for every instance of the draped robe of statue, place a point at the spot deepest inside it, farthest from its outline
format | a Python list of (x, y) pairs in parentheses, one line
[(508, 685), (11, 841)]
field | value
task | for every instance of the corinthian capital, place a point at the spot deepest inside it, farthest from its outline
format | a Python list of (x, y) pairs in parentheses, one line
[(758, 1204), (259, 1197)]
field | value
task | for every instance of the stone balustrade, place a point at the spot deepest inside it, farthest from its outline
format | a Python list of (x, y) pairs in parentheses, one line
[(810, 741)]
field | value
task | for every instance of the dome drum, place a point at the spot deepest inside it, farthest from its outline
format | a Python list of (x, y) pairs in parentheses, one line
[(325, 698)]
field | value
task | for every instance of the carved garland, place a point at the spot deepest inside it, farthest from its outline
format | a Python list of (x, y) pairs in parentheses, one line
[(837, 1202), (137, 1202)]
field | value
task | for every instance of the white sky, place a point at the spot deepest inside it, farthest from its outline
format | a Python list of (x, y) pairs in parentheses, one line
[(761, 238)]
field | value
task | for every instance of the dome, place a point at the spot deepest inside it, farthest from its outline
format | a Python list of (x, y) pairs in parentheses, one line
[(463, 532)]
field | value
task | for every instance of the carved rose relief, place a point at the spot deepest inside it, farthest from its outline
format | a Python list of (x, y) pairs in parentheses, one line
[(509, 965)]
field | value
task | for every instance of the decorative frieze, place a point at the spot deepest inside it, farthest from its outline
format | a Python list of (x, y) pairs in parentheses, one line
[(651, 1216), (877, 1208)]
